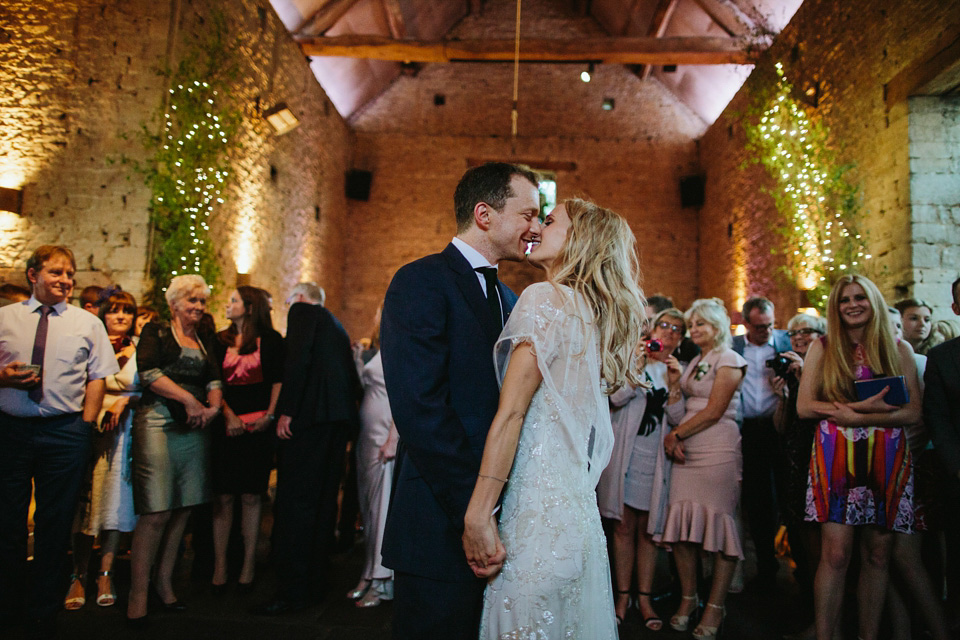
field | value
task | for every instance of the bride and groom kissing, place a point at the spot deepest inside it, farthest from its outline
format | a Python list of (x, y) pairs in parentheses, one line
[(528, 455)]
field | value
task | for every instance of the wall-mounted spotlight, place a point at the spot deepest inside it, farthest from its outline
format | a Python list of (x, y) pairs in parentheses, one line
[(281, 118), (608, 104), (585, 75), (11, 200)]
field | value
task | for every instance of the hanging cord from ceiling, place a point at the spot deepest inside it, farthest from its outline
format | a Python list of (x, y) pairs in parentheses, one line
[(516, 75)]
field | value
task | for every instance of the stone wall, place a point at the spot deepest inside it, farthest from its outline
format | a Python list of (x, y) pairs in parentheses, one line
[(934, 124), (81, 78), (852, 49)]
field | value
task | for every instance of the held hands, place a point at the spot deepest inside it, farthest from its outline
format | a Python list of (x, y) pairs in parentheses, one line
[(388, 451), (195, 413), (482, 545), (16, 376), (113, 416)]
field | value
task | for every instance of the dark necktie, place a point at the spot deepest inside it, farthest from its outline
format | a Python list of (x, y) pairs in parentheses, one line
[(39, 346), (493, 297)]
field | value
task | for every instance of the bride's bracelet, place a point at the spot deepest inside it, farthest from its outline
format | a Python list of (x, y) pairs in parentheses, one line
[(480, 475)]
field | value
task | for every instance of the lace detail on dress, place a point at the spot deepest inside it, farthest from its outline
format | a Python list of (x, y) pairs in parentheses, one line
[(555, 582)]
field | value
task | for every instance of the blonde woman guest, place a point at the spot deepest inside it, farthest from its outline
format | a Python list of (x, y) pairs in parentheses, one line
[(860, 469), (626, 485), (182, 394), (707, 469), (568, 340)]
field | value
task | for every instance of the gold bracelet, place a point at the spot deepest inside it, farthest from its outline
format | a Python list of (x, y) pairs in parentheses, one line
[(480, 475)]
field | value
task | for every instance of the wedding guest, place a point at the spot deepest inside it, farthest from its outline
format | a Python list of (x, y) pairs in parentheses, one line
[(376, 451), (145, 315), (626, 485), (10, 293), (90, 299), (182, 394), (705, 479), (860, 469), (46, 425), (250, 354), (111, 506), (917, 323)]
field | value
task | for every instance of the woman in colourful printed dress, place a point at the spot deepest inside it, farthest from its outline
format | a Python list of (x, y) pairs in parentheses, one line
[(860, 473)]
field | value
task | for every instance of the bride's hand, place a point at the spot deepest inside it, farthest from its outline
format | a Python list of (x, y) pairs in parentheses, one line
[(481, 543)]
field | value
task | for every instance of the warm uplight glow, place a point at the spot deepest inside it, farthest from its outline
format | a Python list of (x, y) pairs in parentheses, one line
[(810, 311)]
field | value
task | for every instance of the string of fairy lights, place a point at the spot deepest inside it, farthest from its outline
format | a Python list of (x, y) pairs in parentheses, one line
[(824, 243), (196, 143)]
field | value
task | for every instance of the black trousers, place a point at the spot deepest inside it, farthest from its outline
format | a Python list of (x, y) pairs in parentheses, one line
[(53, 453), (761, 454), (309, 468), (426, 609)]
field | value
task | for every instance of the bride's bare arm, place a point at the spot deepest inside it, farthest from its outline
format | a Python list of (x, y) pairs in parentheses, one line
[(481, 543)]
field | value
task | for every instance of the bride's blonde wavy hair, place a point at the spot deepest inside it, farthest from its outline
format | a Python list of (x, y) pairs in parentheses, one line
[(599, 260)]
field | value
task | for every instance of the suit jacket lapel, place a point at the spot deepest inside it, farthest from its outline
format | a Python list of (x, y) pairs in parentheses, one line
[(469, 286)]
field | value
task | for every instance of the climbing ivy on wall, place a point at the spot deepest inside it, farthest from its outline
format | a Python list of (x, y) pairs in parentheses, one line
[(818, 201), (188, 163)]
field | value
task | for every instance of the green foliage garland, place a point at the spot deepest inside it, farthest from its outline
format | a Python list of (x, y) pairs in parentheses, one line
[(188, 168), (820, 206)]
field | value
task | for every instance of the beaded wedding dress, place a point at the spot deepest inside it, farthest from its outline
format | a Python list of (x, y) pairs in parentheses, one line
[(555, 582)]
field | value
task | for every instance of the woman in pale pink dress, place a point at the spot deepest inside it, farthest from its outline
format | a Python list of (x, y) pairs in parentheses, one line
[(705, 481)]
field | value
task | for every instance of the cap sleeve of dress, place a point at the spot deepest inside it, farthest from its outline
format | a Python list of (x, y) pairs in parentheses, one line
[(730, 358)]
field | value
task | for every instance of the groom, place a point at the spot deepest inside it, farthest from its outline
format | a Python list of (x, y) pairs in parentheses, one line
[(441, 317)]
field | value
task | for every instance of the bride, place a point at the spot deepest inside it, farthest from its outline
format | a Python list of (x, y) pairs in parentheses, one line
[(566, 345)]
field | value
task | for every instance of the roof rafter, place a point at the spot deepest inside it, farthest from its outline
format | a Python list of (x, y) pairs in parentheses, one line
[(324, 17), (725, 17), (658, 26), (609, 50)]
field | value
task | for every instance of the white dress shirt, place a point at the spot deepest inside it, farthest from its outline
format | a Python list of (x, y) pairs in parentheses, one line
[(77, 350), (759, 398), (476, 259)]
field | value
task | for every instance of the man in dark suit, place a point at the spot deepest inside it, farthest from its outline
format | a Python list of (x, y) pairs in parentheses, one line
[(318, 413), (759, 442), (941, 414), (441, 317)]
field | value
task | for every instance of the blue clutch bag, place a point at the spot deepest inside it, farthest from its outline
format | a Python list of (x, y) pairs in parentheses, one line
[(897, 395)]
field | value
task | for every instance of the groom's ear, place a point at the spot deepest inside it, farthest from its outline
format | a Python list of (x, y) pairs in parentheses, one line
[(481, 215)]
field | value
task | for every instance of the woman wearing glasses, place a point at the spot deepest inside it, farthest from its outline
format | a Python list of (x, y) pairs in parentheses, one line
[(626, 485), (796, 437)]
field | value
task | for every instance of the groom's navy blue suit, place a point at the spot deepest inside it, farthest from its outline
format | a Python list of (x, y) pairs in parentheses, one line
[(437, 339)]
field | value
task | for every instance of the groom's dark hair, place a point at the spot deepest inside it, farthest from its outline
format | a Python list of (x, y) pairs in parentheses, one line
[(488, 183)]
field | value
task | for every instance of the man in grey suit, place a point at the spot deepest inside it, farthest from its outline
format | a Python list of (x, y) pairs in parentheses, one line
[(941, 414), (758, 437)]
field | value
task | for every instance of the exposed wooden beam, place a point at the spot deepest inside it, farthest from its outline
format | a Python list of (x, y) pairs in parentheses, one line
[(658, 26), (324, 17), (394, 15), (680, 50), (725, 17), (941, 56), (625, 31)]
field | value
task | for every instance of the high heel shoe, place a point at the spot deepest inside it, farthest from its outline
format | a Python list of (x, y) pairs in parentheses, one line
[(379, 591), (78, 591), (621, 592), (682, 623), (170, 607), (108, 597), (654, 622), (703, 632), (360, 590)]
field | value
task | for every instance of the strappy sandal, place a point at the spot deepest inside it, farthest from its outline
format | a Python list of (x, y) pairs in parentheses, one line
[(703, 632), (74, 602), (654, 622), (621, 592), (682, 623), (106, 598)]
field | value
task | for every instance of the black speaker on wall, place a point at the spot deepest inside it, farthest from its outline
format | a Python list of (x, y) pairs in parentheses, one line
[(692, 191), (358, 184)]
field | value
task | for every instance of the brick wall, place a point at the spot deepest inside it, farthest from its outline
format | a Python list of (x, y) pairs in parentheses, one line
[(79, 75), (852, 49), (934, 124)]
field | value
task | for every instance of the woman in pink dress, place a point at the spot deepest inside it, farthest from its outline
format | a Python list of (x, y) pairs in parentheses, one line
[(707, 469), (860, 471)]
